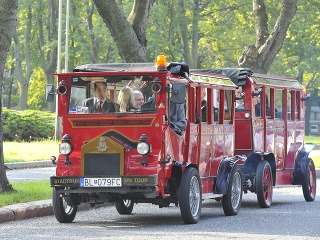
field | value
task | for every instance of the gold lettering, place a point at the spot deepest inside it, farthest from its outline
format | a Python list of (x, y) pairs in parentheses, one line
[(127, 180), (66, 181), (141, 180)]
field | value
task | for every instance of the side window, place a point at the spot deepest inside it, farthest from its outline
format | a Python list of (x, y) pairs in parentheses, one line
[(297, 108), (216, 103), (291, 104), (278, 97), (204, 105), (239, 99), (77, 95), (257, 105), (228, 105), (268, 106)]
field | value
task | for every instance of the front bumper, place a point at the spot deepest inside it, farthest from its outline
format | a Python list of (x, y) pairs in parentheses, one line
[(128, 182)]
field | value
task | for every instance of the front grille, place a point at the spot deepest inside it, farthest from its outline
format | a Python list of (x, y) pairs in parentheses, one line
[(102, 164)]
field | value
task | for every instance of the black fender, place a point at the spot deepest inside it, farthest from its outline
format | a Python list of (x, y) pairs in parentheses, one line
[(249, 169), (223, 177), (301, 163)]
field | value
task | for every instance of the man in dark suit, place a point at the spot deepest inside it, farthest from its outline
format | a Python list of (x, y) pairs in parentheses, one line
[(100, 103)]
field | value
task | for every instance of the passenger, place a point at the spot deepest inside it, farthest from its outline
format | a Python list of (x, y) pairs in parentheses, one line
[(125, 99), (100, 103), (203, 107), (150, 104), (239, 101), (138, 99), (178, 117), (257, 107)]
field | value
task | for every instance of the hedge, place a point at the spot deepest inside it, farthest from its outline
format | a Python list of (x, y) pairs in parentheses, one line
[(27, 125)]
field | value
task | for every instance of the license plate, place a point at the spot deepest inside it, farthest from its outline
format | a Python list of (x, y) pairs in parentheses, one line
[(100, 182)]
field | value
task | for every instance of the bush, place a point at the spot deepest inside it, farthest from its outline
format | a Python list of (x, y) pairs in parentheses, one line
[(21, 125)]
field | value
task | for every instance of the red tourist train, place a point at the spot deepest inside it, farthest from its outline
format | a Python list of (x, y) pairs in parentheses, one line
[(136, 133), (269, 133), (157, 150)]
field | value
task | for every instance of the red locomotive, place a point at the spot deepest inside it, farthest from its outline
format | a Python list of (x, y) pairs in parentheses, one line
[(171, 146)]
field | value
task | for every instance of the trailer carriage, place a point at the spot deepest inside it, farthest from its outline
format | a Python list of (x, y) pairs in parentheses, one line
[(269, 133)]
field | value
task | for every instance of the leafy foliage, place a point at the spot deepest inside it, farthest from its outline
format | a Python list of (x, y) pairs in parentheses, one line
[(23, 125), (225, 28)]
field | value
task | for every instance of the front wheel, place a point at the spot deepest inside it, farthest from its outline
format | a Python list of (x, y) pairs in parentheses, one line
[(309, 182), (124, 207), (63, 211), (264, 184), (189, 196), (232, 201)]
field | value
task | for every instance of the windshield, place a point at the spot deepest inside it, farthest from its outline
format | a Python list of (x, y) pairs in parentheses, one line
[(111, 94)]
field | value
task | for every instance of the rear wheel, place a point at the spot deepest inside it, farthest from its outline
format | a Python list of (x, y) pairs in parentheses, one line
[(189, 196), (64, 211), (124, 207), (232, 201), (309, 183), (264, 184)]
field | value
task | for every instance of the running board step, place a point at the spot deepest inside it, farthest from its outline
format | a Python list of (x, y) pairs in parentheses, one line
[(211, 196)]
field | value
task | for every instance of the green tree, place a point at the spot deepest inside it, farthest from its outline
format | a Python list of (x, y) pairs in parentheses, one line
[(129, 33), (8, 20), (36, 90), (260, 56)]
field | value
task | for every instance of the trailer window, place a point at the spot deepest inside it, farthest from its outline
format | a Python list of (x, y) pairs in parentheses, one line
[(278, 96)]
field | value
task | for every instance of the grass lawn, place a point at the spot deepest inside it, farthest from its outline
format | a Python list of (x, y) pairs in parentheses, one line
[(26, 192), (33, 151)]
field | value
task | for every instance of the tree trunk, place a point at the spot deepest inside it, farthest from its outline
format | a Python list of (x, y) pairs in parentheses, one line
[(49, 56), (24, 80), (260, 56), (8, 22), (129, 34)]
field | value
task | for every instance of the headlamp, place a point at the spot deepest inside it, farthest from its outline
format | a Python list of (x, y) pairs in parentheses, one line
[(143, 148), (65, 148)]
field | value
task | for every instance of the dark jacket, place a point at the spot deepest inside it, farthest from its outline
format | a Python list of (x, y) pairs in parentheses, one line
[(107, 106)]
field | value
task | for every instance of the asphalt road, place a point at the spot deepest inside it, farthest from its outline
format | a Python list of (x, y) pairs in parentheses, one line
[(28, 174), (290, 217)]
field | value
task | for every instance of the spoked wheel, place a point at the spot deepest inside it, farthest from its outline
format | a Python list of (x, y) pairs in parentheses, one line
[(189, 196), (124, 206), (64, 212), (264, 184), (309, 182), (232, 201)]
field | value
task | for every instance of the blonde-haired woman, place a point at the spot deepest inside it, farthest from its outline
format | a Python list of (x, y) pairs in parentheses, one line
[(125, 99)]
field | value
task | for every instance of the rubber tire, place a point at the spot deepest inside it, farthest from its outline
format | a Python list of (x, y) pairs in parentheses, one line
[(62, 211), (231, 202), (190, 196), (309, 182), (124, 207), (264, 184)]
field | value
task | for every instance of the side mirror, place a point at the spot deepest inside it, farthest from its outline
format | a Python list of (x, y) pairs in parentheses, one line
[(49, 93), (178, 93)]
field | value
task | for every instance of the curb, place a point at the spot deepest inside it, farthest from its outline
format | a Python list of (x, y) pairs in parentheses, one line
[(35, 209), (33, 164), (26, 210)]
